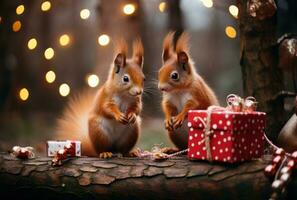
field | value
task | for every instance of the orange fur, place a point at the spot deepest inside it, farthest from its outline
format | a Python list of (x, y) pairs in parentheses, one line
[(73, 125), (167, 46), (111, 120), (121, 47), (182, 43), (138, 51), (190, 91)]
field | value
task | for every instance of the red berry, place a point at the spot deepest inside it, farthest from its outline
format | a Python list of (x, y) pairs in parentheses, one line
[(277, 185), (280, 152), (291, 163), (277, 160), (23, 154), (270, 170), (294, 155), (285, 177), (285, 170)]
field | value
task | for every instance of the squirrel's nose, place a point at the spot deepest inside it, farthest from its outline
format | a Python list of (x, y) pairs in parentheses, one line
[(162, 87), (139, 92)]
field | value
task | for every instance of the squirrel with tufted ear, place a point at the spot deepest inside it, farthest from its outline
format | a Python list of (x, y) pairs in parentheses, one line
[(109, 122), (182, 87)]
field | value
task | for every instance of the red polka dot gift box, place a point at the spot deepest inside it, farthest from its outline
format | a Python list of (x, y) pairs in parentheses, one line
[(225, 136)]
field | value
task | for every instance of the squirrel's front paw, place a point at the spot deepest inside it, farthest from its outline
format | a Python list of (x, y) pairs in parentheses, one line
[(168, 124), (177, 121), (122, 118), (131, 118), (135, 153), (105, 155)]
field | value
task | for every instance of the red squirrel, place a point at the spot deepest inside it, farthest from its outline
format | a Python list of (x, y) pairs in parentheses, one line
[(109, 122), (182, 87)]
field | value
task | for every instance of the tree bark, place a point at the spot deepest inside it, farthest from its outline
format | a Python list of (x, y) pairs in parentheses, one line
[(259, 63), (132, 178)]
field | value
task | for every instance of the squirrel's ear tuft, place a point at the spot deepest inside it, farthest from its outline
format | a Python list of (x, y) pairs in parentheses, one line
[(119, 62), (182, 51), (183, 60), (167, 46), (138, 52), (182, 43), (121, 50)]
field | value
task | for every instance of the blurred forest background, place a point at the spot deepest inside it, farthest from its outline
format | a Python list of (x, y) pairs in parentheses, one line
[(51, 50)]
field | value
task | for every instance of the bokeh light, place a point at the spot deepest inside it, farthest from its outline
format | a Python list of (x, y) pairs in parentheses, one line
[(50, 76), (24, 94), (129, 9), (32, 43), (16, 26), (49, 53), (92, 80), (64, 90), (162, 6), (85, 13), (207, 3), (46, 6), (64, 40), (233, 11), (20, 9), (103, 40), (230, 32)]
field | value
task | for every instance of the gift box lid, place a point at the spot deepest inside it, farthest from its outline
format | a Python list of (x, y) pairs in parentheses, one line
[(227, 120)]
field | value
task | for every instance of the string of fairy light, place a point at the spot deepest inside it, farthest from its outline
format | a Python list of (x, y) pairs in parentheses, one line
[(103, 40)]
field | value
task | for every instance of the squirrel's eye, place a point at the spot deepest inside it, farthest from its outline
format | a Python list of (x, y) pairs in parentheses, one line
[(126, 78), (174, 76)]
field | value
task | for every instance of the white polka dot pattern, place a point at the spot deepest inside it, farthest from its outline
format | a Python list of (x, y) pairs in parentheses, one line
[(236, 136)]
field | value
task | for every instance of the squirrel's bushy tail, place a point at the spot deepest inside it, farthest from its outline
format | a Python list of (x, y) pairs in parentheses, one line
[(73, 125)]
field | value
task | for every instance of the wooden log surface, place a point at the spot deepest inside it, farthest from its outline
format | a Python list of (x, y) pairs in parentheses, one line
[(133, 178)]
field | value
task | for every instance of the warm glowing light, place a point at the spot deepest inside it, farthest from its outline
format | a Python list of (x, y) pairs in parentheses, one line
[(92, 80), (45, 6), (32, 43), (64, 40), (103, 40), (50, 76), (49, 53), (20, 9), (233, 11), (207, 3), (24, 94), (162, 6), (64, 90), (129, 9), (85, 13), (230, 32), (16, 26)]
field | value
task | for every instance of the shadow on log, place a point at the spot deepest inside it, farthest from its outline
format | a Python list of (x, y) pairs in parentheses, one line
[(130, 178)]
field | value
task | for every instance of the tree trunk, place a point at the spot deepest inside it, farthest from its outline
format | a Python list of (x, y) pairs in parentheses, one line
[(6, 9), (132, 178), (259, 63), (175, 18)]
